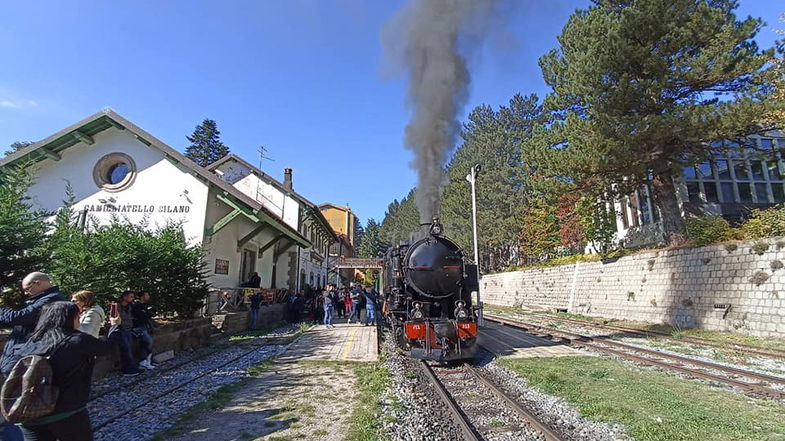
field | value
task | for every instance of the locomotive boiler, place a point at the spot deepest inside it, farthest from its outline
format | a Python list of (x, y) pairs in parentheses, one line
[(427, 292)]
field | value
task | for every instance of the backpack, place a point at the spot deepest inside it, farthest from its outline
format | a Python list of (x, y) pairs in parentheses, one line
[(28, 392)]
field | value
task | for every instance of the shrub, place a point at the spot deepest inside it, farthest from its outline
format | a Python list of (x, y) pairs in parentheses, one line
[(705, 230), (765, 223), (108, 259), (22, 235)]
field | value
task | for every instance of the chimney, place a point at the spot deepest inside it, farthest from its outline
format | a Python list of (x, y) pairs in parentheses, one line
[(287, 178)]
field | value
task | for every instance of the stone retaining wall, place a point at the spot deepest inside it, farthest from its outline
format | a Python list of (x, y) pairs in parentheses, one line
[(727, 287)]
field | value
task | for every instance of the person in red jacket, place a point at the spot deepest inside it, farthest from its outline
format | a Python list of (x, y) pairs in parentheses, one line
[(347, 301)]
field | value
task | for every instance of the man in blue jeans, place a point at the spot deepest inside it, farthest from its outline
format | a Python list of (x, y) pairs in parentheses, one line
[(370, 306), (125, 334), (329, 306), (357, 300), (143, 328), (256, 301)]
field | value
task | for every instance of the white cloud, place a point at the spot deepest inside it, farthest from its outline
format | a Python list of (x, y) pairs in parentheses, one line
[(18, 104)]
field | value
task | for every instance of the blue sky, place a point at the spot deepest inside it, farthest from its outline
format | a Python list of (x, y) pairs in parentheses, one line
[(304, 78)]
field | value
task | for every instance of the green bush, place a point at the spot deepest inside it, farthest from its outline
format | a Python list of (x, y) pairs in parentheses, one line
[(22, 235), (765, 223), (108, 259), (705, 230)]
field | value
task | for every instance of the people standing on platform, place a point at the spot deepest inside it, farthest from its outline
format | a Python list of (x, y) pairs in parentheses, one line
[(72, 357), (370, 306), (340, 302), (40, 291), (347, 303), (143, 327), (297, 307), (329, 306), (255, 303), (91, 316), (356, 299)]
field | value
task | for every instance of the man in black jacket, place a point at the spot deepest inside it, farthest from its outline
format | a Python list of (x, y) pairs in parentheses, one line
[(143, 315), (39, 290)]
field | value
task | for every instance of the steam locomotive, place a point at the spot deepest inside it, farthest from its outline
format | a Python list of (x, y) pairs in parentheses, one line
[(427, 290)]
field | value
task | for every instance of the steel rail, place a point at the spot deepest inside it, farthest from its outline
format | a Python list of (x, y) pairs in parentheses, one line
[(267, 341), (547, 433), (173, 389), (772, 353), (582, 340), (452, 406)]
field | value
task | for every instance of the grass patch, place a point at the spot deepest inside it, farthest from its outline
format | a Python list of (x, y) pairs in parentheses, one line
[(372, 379), (216, 400), (654, 406), (250, 335)]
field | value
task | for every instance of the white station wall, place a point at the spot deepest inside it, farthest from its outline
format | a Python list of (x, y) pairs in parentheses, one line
[(161, 192)]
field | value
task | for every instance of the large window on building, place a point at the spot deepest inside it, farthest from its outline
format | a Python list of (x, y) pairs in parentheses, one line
[(749, 176)]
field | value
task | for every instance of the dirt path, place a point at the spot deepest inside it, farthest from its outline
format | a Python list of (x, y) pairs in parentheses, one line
[(289, 401)]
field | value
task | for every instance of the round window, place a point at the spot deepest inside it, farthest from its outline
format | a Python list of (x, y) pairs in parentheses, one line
[(114, 172)]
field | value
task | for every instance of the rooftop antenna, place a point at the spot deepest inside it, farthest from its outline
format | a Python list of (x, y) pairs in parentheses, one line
[(263, 155), (262, 150)]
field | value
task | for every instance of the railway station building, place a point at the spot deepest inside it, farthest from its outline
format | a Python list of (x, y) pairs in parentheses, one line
[(246, 221)]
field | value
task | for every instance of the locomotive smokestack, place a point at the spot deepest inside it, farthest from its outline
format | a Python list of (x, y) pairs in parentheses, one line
[(430, 39)]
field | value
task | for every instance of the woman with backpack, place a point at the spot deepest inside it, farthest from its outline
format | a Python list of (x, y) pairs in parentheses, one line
[(71, 355)]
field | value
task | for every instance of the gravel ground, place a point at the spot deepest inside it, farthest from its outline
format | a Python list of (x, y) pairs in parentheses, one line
[(288, 401), (117, 394), (489, 414), (413, 412)]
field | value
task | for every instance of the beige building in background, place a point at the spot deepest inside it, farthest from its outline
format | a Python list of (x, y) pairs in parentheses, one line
[(343, 221)]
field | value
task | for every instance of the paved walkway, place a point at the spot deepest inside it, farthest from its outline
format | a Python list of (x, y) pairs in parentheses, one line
[(511, 342), (344, 342)]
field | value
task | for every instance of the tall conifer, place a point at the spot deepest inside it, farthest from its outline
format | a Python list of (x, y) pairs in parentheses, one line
[(206, 146)]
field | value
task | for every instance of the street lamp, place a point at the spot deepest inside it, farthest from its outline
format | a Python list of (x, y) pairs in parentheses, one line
[(472, 178)]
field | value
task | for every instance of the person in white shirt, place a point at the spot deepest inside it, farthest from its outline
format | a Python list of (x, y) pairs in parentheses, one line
[(91, 316)]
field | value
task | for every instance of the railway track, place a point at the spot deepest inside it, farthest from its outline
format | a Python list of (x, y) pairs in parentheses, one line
[(124, 382), (756, 383), (769, 353), (469, 404), (179, 385)]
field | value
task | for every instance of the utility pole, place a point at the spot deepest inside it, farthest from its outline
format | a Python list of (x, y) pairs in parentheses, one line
[(472, 178)]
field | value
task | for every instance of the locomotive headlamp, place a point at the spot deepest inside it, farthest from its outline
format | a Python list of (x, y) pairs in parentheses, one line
[(461, 313), (417, 313)]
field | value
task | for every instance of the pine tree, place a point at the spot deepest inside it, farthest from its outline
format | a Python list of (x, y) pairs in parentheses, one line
[(398, 225), (372, 244), (492, 138), (206, 146), (641, 88), (22, 233), (17, 145)]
